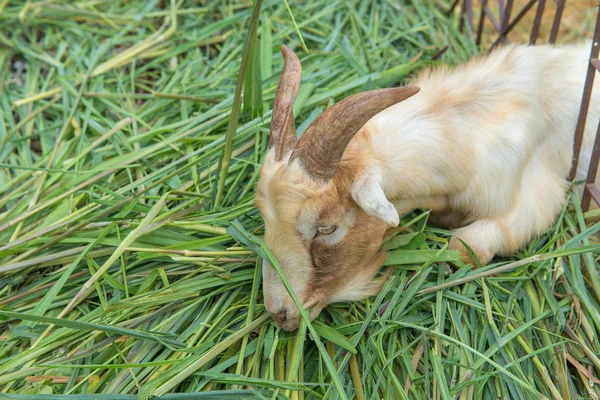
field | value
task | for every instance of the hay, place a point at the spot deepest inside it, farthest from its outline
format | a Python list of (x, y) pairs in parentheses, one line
[(129, 242)]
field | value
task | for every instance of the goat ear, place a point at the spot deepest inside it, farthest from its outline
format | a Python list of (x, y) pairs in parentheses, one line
[(368, 194), (283, 131)]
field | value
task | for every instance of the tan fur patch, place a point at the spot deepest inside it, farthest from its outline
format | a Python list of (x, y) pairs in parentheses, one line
[(293, 206)]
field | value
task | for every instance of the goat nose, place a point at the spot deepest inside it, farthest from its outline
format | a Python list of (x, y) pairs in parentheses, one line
[(280, 317), (288, 319)]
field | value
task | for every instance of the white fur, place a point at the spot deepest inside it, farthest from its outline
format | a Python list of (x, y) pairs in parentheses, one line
[(514, 178)]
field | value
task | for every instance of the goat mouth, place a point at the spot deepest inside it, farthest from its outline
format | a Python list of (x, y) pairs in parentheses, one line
[(314, 308), (288, 319)]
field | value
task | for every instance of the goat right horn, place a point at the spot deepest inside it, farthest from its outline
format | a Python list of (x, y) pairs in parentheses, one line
[(321, 146), (283, 129)]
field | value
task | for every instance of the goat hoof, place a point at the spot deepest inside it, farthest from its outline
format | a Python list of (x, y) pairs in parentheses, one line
[(484, 255)]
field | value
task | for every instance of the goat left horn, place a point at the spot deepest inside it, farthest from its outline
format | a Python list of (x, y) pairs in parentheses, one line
[(322, 145), (283, 131)]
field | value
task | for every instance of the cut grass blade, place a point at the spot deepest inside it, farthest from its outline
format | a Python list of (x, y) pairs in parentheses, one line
[(121, 275), (238, 232), (237, 99)]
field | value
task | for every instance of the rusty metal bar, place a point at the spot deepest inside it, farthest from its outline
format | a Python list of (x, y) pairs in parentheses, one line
[(467, 13), (500, 13), (514, 22), (590, 187), (470, 15), (504, 25), (519, 16), (585, 100), (560, 6), (481, 23), (490, 15), (453, 6), (505, 19), (537, 22)]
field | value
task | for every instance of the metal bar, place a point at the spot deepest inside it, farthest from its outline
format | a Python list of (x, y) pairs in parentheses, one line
[(505, 18), (560, 6), (592, 189), (535, 31), (453, 6), (491, 16), (463, 14), (439, 53), (586, 97), (481, 23), (470, 15), (592, 171), (467, 13), (518, 18)]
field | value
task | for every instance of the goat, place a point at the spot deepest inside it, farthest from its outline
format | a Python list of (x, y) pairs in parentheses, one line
[(487, 147)]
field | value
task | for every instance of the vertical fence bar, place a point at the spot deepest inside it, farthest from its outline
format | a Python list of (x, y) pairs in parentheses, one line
[(463, 15), (590, 185), (505, 20), (469, 9), (585, 100), (483, 3), (505, 8), (515, 21), (560, 6), (535, 31)]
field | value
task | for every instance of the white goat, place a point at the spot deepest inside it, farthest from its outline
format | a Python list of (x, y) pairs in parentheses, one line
[(486, 147)]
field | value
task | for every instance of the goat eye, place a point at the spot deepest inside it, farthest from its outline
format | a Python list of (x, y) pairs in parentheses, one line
[(326, 230)]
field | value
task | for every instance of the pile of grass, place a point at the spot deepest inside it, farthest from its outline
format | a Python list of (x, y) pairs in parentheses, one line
[(130, 139)]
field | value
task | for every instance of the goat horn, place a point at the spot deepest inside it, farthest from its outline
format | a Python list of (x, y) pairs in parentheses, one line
[(283, 130), (321, 146)]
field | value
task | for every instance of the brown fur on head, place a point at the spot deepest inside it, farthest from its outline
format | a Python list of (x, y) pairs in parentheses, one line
[(325, 242)]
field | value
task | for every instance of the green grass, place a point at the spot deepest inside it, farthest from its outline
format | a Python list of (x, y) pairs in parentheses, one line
[(129, 242)]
